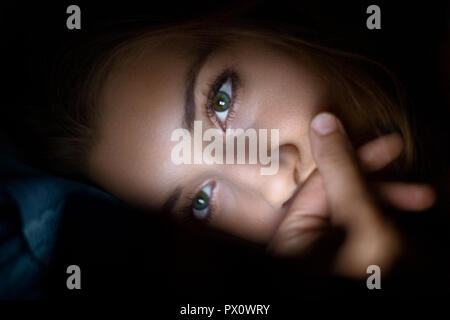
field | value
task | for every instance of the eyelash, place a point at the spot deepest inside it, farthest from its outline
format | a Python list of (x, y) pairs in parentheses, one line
[(187, 214), (214, 89)]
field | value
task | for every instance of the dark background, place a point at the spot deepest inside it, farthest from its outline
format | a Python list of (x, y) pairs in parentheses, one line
[(132, 258)]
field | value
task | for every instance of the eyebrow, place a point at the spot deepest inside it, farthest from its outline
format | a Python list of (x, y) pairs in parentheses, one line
[(189, 115), (191, 78)]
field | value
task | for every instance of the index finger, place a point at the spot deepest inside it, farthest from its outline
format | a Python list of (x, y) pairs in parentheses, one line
[(335, 159)]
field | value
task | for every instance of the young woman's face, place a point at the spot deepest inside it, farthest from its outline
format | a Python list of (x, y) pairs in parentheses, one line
[(144, 101)]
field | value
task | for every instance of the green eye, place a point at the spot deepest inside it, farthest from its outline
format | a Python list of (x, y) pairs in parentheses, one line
[(221, 101), (201, 201), (200, 204)]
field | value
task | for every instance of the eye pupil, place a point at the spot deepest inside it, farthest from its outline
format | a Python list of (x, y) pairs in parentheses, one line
[(201, 201), (221, 102)]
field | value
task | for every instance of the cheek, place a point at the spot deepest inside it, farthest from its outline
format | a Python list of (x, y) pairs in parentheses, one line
[(288, 97), (279, 88), (245, 214)]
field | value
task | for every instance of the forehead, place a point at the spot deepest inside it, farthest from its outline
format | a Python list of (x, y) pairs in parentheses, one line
[(141, 104)]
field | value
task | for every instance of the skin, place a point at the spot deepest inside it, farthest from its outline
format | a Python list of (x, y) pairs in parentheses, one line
[(338, 195), (143, 102)]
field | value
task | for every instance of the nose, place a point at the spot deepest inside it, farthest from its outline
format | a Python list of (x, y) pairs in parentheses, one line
[(282, 185), (275, 189)]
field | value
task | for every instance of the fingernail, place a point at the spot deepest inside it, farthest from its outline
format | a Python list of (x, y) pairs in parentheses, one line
[(324, 123)]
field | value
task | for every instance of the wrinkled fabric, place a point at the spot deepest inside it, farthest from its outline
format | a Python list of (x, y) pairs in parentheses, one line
[(32, 204)]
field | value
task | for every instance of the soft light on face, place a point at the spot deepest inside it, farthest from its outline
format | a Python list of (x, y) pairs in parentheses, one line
[(234, 146), (246, 84)]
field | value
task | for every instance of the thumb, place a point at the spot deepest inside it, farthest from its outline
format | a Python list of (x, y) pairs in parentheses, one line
[(370, 239), (347, 195)]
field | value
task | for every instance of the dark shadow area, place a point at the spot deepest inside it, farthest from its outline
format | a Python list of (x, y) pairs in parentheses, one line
[(127, 254)]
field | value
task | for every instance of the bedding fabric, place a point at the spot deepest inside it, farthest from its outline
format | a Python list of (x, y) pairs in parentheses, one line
[(32, 204)]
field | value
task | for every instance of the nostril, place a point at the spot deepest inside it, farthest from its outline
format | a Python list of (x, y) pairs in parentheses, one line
[(290, 161), (288, 202), (298, 184), (297, 178)]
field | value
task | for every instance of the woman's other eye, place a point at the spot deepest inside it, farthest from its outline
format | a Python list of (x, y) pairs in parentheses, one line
[(222, 100), (200, 203)]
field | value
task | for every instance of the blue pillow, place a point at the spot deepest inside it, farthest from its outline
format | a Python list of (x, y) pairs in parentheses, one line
[(32, 204)]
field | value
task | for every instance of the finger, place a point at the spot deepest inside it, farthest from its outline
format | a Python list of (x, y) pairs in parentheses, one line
[(407, 196), (378, 153), (335, 159), (305, 221)]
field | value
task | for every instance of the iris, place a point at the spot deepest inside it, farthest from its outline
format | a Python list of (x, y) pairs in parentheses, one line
[(201, 201), (221, 101)]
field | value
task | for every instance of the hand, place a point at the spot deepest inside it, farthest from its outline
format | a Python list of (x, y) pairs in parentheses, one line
[(337, 195)]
